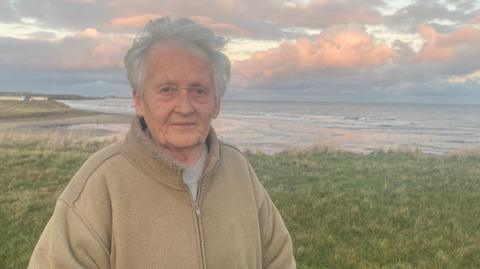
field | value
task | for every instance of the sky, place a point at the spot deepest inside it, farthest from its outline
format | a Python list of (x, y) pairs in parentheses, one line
[(314, 50)]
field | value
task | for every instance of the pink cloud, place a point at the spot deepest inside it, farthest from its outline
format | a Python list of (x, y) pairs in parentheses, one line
[(432, 51), (245, 18), (340, 47), (89, 33), (87, 50), (476, 20), (445, 47), (107, 54), (136, 21), (322, 13), (217, 26)]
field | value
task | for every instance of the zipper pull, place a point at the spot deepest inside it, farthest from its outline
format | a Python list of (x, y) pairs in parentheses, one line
[(197, 210)]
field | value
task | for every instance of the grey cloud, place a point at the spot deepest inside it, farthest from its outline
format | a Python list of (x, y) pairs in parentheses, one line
[(427, 11), (246, 16), (58, 67), (257, 19), (263, 29), (254, 19), (43, 35), (405, 53), (240, 17), (27, 54), (70, 53), (74, 15), (320, 14), (465, 4), (462, 65), (269, 19), (7, 13), (66, 82)]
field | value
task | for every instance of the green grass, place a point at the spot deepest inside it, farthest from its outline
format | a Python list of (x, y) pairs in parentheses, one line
[(384, 210), (34, 169), (14, 110)]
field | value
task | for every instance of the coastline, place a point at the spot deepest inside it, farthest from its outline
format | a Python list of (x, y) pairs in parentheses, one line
[(272, 127), (63, 121), (34, 115), (100, 126), (267, 130)]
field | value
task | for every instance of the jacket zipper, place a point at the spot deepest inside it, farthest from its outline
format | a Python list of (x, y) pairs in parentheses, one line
[(198, 214)]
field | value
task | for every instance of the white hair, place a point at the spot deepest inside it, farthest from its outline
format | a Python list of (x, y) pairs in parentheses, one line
[(186, 31)]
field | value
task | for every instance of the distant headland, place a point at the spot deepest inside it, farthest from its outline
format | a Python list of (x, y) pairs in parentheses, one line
[(26, 96)]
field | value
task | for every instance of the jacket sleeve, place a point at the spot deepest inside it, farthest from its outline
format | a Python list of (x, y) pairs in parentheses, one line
[(69, 242), (277, 249)]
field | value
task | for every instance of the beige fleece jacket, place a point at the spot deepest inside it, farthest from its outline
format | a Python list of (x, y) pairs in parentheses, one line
[(127, 207)]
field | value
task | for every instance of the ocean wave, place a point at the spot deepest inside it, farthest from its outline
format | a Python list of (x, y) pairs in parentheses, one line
[(274, 126)]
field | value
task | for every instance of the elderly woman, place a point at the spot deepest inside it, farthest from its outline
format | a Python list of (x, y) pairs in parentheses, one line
[(171, 195)]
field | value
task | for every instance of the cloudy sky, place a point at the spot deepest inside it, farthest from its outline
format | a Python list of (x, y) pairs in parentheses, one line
[(326, 50)]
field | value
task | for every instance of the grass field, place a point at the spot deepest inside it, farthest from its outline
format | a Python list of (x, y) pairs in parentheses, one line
[(15, 110), (383, 210)]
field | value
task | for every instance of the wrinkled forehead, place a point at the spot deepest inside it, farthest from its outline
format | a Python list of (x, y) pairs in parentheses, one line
[(175, 62), (183, 45)]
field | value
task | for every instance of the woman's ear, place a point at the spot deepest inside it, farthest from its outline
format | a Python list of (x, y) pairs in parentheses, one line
[(138, 102), (216, 109)]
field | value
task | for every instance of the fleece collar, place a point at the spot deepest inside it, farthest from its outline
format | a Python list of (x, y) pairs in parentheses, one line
[(139, 148)]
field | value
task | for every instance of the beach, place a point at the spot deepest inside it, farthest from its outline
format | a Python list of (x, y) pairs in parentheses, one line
[(53, 117), (274, 126), (59, 121)]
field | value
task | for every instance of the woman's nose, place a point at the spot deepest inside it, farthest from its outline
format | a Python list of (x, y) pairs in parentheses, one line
[(184, 103)]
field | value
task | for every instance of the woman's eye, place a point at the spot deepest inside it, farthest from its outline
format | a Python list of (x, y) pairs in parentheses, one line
[(200, 91), (166, 90)]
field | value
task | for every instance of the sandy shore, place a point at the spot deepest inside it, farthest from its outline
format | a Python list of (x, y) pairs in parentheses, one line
[(53, 122)]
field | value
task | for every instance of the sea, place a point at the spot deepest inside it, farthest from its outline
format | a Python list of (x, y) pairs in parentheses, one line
[(274, 126)]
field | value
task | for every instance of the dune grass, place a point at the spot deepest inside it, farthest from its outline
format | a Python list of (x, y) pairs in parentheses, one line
[(15, 110), (383, 210)]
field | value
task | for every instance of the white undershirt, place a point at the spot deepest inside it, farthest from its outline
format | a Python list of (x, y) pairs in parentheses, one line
[(192, 174)]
